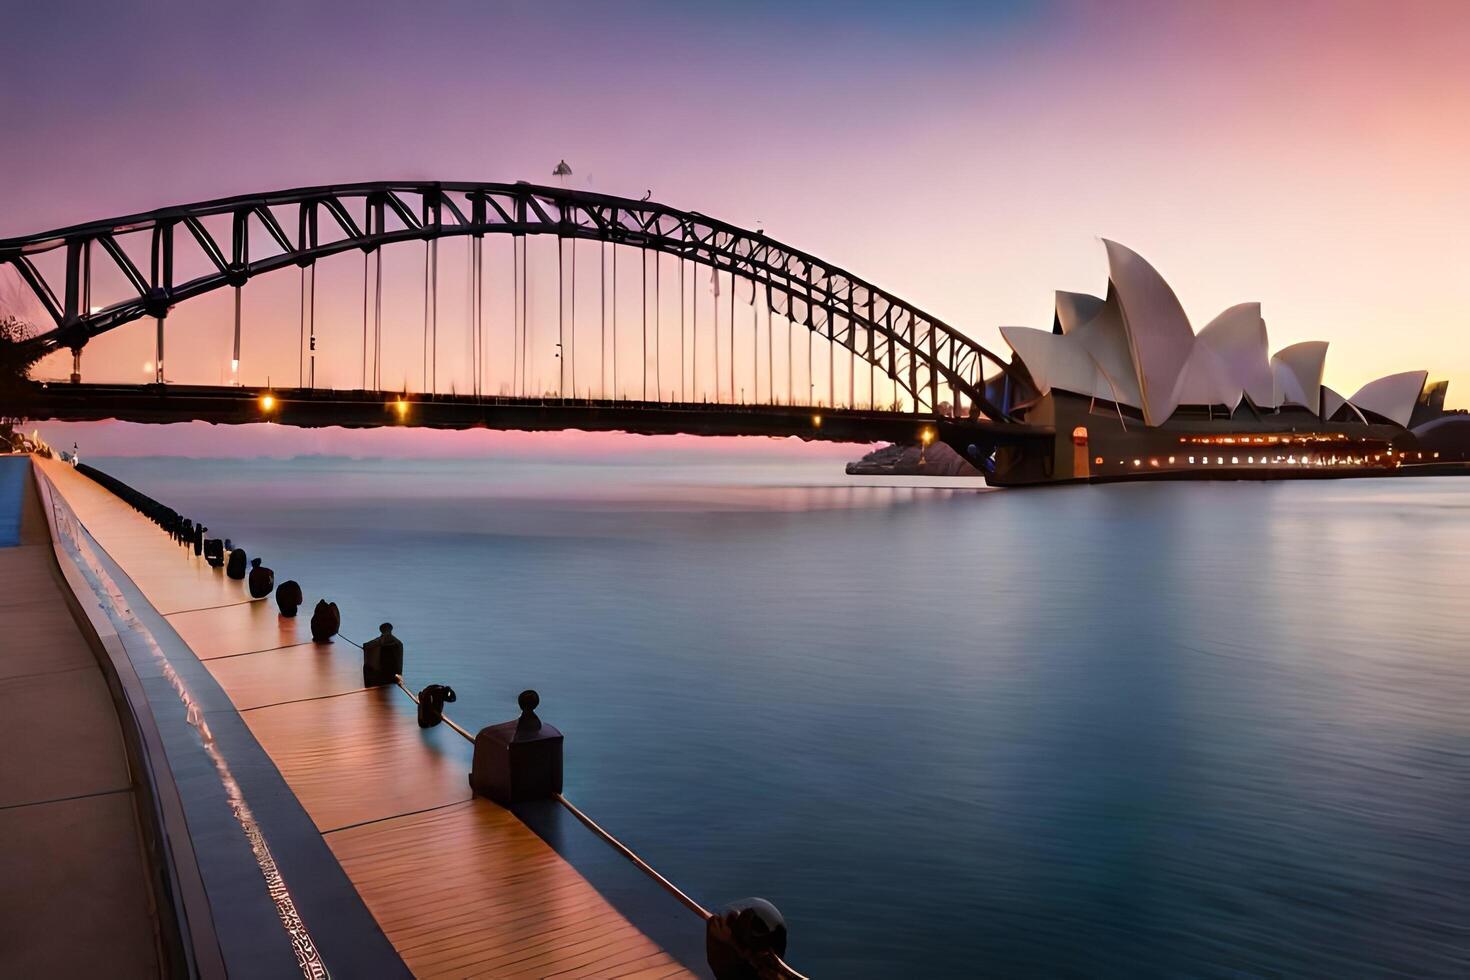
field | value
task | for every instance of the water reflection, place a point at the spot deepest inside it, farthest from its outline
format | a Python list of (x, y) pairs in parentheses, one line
[(1156, 730)]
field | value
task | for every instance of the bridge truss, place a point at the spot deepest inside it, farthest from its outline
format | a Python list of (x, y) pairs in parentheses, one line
[(924, 357)]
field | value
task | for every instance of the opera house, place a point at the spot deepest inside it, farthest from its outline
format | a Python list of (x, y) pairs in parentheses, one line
[(1133, 390)]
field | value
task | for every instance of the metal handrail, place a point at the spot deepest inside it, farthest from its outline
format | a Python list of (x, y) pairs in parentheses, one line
[(591, 824), (643, 865)]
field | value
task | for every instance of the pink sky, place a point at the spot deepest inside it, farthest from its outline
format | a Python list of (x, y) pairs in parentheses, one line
[(968, 157)]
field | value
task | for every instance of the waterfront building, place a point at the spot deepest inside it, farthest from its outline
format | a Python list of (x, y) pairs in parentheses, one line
[(1136, 391)]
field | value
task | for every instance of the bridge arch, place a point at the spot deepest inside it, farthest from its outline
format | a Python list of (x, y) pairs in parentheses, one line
[(916, 351)]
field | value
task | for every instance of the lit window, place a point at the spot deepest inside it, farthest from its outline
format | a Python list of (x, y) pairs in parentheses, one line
[(1219, 460), (1098, 461), (1136, 462), (1171, 459), (1191, 459), (1234, 460), (1250, 459)]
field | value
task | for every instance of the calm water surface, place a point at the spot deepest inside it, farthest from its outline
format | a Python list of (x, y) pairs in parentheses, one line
[(1130, 730)]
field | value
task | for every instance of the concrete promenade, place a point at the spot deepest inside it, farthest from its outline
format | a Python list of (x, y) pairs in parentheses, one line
[(77, 899)]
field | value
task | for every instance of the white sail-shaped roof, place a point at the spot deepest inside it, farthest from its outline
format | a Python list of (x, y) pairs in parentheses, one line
[(1136, 347), (1393, 396), (1056, 361), (1238, 338), (1075, 309), (1297, 371), (1106, 339), (1331, 402), (1159, 335), (1205, 380)]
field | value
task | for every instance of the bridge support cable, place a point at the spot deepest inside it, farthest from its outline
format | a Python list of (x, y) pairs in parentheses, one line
[(378, 320), (366, 258), (658, 340), (755, 350), (434, 317), (424, 344), (811, 382), (682, 390), (573, 367), (311, 325), (602, 310), (561, 321), (872, 361), (643, 293), (715, 317), (695, 388), (235, 349), (732, 335), (301, 336), (516, 316), (615, 319), (770, 354), (479, 300)]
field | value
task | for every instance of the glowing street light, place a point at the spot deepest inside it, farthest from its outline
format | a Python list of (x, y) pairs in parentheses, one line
[(267, 402)]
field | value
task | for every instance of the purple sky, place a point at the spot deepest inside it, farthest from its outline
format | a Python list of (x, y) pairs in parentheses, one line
[(966, 156)]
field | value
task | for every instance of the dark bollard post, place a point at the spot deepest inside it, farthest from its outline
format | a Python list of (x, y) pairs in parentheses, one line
[(326, 620), (262, 579), (745, 941), (235, 569), (214, 552), (382, 658), (289, 598), (431, 704), (199, 530), (518, 760), (186, 531)]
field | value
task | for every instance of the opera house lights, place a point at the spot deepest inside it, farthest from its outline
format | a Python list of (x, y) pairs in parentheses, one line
[(1133, 391)]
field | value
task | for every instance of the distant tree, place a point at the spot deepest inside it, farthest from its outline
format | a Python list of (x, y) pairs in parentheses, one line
[(16, 361)]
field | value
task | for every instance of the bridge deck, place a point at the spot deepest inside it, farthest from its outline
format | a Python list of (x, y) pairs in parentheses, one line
[(76, 899), (460, 886)]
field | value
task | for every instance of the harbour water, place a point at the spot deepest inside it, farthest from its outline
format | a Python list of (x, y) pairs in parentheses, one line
[(1131, 730)]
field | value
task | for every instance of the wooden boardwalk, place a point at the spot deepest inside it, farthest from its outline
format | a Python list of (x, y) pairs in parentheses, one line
[(460, 886), (76, 899)]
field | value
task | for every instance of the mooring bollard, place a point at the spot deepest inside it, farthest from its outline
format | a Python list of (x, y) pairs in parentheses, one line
[(518, 760), (326, 620), (199, 530), (214, 552), (382, 658), (744, 941), (262, 579), (235, 569), (431, 704), (289, 598)]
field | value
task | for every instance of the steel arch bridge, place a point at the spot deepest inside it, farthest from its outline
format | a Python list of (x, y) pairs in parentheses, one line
[(915, 351)]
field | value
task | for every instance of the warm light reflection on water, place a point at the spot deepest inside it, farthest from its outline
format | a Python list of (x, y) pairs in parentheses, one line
[(1125, 730)]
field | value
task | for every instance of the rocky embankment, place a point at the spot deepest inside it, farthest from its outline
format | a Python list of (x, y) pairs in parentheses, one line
[(896, 460)]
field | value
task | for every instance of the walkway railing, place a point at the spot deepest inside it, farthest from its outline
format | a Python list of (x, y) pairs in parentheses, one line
[(744, 939)]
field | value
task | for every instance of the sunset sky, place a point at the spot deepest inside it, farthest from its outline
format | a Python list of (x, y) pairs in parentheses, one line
[(966, 156)]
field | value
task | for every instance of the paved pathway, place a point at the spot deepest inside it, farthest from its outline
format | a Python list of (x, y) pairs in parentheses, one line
[(75, 900)]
